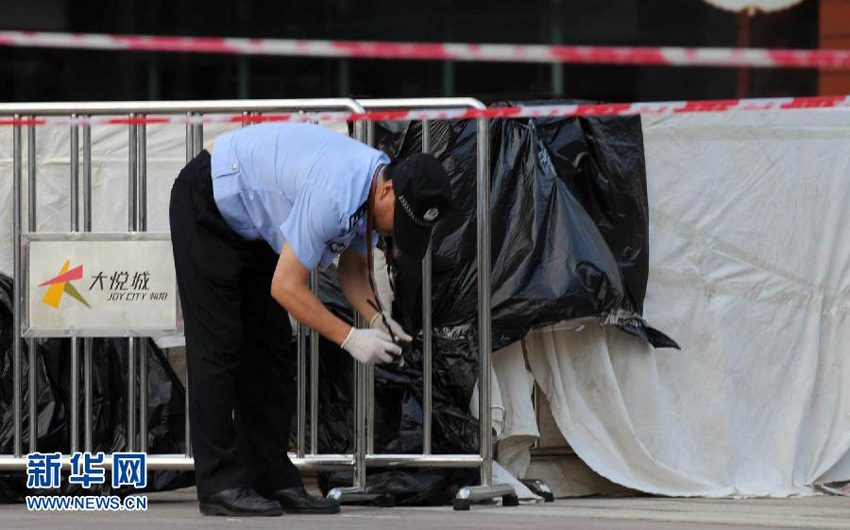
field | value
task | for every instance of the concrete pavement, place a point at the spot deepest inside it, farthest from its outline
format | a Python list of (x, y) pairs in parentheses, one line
[(178, 510)]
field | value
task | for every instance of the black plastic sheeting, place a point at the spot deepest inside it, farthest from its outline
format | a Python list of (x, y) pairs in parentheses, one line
[(166, 406), (569, 226)]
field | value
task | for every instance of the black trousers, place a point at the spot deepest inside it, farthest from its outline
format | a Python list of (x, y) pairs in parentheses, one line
[(241, 391)]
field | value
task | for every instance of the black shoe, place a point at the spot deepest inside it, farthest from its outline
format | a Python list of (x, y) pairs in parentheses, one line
[(297, 500), (239, 502)]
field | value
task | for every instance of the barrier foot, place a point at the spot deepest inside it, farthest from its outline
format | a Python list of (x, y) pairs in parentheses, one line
[(539, 488), (474, 494), (357, 495)]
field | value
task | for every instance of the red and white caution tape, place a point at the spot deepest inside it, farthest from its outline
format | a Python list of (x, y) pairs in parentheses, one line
[(535, 111), (631, 55)]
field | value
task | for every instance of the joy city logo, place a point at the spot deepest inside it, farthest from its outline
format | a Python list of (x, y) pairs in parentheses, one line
[(62, 284)]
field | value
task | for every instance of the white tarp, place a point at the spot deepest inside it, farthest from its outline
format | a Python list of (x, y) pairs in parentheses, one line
[(750, 273)]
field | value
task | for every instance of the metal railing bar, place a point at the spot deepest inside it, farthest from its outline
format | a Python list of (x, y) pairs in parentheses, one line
[(75, 342), (32, 389), (176, 107)]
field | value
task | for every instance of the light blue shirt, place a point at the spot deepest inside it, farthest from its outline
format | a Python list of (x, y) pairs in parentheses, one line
[(295, 183)]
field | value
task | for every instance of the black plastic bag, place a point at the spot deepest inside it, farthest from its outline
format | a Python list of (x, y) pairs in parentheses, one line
[(166, 405), (569, 226), (398, 407)]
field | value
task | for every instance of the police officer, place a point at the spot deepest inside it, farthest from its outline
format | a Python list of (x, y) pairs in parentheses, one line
[(251, 216)]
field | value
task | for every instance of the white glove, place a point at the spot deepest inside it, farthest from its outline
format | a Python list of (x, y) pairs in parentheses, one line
[(370, 346), (378, 323)]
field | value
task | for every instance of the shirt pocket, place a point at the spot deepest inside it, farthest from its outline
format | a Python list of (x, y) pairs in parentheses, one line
[(338, 244), (224, 160)]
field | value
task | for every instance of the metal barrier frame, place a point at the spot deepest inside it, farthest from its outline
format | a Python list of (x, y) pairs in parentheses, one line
[(363, 456), (137, 222)]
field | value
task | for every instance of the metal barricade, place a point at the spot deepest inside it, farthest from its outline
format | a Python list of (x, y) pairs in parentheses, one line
[(364, 444), (363, 456), (137, 222)]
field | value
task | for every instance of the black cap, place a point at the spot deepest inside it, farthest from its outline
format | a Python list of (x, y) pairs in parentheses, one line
[(423, 197)]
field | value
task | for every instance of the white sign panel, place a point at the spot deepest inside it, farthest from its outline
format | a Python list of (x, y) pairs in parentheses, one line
[(100, 285)]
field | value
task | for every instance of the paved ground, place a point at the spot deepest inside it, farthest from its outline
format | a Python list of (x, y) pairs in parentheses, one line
[(177, 510)]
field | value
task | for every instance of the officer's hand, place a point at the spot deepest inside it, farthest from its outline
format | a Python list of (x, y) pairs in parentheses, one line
[(370, 346), (378, 323)]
